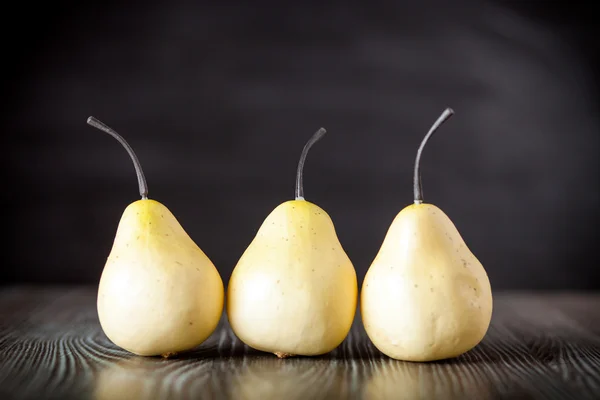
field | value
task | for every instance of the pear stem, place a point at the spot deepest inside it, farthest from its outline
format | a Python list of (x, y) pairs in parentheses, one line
[(300, 173), (417, 185), (143, 186)]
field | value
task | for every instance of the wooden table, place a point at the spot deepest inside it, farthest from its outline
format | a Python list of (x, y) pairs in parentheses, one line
[(539, 346)]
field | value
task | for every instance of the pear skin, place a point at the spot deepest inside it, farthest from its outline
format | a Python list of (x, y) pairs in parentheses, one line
[(159, 294), (426, 296), (294, 290)]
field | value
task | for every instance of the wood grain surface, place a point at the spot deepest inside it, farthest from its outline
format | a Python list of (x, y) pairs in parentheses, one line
[(539, 346)]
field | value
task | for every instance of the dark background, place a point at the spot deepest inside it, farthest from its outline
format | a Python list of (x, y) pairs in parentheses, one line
[(218, 102)]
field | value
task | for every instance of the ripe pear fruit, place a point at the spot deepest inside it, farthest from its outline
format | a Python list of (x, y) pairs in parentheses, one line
[(425, 297), (159, 294), (294, 290)]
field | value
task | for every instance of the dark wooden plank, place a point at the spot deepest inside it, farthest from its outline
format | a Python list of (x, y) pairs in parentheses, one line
[(539, 346)]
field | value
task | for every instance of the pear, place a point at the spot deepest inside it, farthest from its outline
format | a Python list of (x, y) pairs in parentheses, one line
[(425, 297), (294, 290), (159, 294)]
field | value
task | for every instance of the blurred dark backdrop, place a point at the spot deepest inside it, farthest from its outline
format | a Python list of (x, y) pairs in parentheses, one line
[(218, 101)]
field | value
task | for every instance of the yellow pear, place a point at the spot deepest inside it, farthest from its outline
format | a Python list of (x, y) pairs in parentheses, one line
[(426, 296), (159, 294), (294, 290)]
